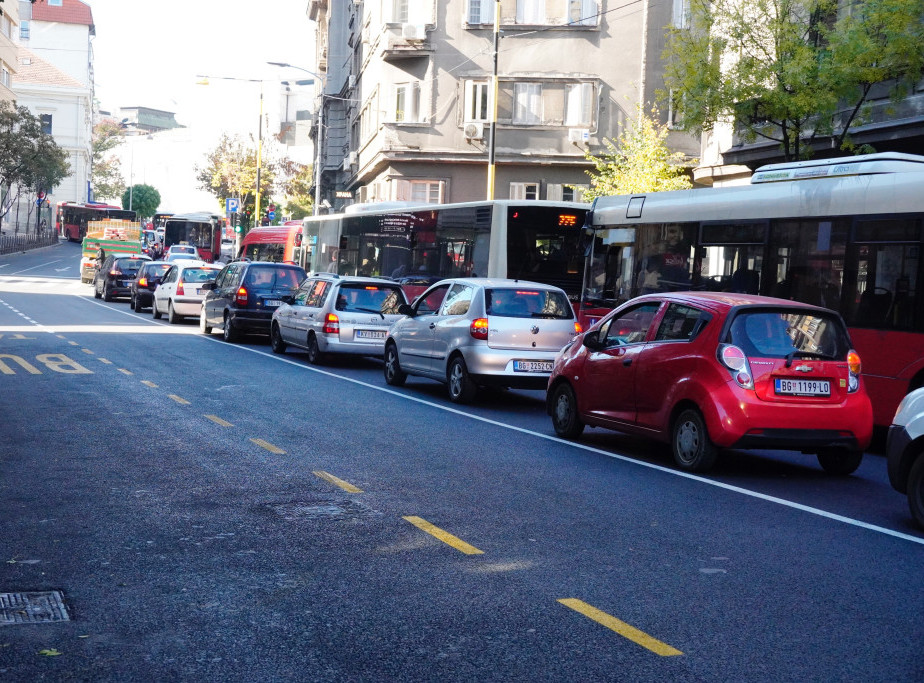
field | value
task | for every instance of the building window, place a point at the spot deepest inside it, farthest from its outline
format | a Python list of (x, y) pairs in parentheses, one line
[(583, 12), (407, 102), (476, 101), (5, 77), (24, 30), (399, 11), (530, 11), (524, 190), (481, 11), (6, 26), (420, 191), (579, 104), (527, 103), (555, 192), (46, 123), (55, 3)]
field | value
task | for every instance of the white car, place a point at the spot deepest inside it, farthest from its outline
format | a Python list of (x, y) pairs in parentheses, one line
[(905, 452), (180, 292)]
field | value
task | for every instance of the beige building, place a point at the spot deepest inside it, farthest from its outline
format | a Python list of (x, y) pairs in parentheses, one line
[(407, 101), (9, 27)]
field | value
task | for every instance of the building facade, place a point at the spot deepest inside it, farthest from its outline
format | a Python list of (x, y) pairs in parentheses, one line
[(407, 101), (9, 26)]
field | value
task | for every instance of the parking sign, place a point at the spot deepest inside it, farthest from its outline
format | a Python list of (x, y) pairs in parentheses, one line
[(232, 205)]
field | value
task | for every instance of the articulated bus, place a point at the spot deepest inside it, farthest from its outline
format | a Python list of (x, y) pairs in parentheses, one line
[(202, 230), (417, 245), (843, 233), (279, 243), (71, 218)]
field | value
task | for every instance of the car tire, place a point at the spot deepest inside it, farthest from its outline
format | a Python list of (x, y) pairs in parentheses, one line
[(565, 417), (916, 491), (314, 351), (276, 342), (107, 294), (462, 388), (154, 311), (839, 461), (394, 375), (172, 316), (692, 448), (204, 327), (96, 294), (133, 303), (228, 333)]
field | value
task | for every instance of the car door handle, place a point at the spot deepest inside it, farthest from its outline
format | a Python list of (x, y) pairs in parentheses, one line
[(627, 362), (432, 326)]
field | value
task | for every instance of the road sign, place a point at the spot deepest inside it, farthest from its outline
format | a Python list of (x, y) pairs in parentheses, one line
[(232, 205), (272, 215), (40, 194)]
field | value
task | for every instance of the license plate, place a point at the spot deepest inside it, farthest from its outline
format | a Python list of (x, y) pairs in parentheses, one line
[(802, 387), (370, 334), (532, 366), (272, 303)]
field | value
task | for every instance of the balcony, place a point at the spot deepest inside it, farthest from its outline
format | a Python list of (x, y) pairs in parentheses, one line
[(405, 41)]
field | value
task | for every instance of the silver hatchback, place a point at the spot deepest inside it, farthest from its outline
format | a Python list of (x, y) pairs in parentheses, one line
[(473, 332), (337, 314)]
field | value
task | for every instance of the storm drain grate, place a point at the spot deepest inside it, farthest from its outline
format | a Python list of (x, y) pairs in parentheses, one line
[(32, 608)]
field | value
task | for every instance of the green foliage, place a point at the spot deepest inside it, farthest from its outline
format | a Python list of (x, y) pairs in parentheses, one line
[(790, 71), (640, 162), (296, 183), (106, 169), (231, 171), (144, 200)]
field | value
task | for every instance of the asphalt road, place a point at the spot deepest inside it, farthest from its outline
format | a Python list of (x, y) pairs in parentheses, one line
[(214, 512)]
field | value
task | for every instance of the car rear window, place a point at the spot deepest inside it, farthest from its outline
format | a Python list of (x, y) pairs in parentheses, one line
[(370, 298), (274, 276), (130, 263), (198, 274), (777, 334), (528, 303)]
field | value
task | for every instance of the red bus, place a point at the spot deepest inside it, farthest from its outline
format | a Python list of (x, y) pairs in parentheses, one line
[(202, 230), (279, 243), (71, 218), (844, 233)]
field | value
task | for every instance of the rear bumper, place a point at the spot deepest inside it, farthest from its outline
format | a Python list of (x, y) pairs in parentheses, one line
[(329, 343), (251, 321), (798, 440), (494, 367)]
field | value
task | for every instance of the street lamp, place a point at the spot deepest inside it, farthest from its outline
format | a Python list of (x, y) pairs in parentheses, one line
[(205, 81), (317, 164)]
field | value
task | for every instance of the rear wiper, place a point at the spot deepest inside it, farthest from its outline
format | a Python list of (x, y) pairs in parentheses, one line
[(370, 310), (551, 316), (805, 354)]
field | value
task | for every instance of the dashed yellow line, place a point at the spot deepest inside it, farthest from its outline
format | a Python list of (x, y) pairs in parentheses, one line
[(345, 485), (60, 336), (444, 536), (217, 420), (149, 383), (268, 446), (178, 399), (621, 627), (126, 372)]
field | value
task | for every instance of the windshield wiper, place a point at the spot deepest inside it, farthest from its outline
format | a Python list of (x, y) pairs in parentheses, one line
[(370, 310), (805, 354)]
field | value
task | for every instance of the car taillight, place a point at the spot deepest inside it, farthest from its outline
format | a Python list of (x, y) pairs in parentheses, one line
[(179, 289), (733, 358), (331, 324), (854, 365), (241, 297), (577, 328), (479, 328), (115, 272)]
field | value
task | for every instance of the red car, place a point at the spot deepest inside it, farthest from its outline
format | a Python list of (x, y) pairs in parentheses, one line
[(709, 370)]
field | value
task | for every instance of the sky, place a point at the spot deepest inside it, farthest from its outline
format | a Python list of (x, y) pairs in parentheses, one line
[(151, 55)]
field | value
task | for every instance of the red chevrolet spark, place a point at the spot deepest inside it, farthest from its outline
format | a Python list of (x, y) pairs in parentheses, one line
[(709, 370)]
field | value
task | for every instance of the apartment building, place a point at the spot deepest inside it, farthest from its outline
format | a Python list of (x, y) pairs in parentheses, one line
[(406, 103), (9, 24)]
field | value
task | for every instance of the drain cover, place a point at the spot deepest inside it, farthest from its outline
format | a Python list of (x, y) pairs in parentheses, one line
[(32, 608)]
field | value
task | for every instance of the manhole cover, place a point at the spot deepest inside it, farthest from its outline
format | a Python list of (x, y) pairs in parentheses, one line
[(32, 608), (319, 509)]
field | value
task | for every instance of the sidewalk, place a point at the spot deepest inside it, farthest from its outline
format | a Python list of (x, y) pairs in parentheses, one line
[(10, 243)]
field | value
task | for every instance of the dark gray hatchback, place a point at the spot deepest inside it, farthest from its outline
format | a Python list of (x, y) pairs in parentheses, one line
[(244, 296)]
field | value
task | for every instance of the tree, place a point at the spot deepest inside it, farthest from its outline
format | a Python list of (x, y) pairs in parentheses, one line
[(30, 160), (231, 171), (295, 183), (640, 162), (791, 71), (106, 169), (142, 199)]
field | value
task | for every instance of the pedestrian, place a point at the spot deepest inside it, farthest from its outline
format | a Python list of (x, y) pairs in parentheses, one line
[(100, 256)]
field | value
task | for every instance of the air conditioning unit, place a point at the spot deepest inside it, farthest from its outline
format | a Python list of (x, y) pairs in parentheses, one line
[(351, 81), (473, 130), (578, 135), (349, 161), (414, 31)]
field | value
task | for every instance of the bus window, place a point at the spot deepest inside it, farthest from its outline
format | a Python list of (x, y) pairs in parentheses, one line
[(807, 259), (885, 293)]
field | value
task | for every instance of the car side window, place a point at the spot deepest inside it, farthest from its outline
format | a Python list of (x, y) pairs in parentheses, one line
[(234, 277), (318, 293), (631, 326), (304, 290), (431, 300), (222, 277), (458, 300), (679, 323)]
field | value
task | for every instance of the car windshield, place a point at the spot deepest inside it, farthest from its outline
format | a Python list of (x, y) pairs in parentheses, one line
[(370, 298), (198, 274), (782, 334), (528, 303), (273, 277)]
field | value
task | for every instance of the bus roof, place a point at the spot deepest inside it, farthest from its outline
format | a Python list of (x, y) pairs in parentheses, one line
[(271, 234), (884, 162), (409, 207), (196, 216)]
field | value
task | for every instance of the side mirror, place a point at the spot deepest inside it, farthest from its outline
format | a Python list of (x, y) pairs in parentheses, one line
[(288, 299), (406, 309), (592, 340), (208, 285)]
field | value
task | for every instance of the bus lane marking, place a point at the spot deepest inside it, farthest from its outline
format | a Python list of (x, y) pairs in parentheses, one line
[(217, 420), (126, 372), (87, 351), (268, 446), (182, 401), (149, 383), (105, 361), (443, 536), (345, 485), (56, 362), (621, 627)]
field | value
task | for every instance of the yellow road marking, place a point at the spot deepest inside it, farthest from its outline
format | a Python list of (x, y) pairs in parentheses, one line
[(268, 446), (149, 383), (126, 372), (444, 536), (217, 420), (87, 351), (181, 401), (104, 360), (346, 486), (621, 627)]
